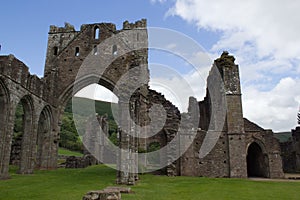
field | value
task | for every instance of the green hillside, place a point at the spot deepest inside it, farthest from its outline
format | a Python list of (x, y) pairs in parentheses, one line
[(283, 136), (86, 106)]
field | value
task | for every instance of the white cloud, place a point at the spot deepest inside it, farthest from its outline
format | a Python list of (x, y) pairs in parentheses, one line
[(272, 26), (177, 87), (264, 38), (275, 109)]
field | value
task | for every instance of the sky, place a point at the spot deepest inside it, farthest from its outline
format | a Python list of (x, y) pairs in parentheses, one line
[(262, 35)]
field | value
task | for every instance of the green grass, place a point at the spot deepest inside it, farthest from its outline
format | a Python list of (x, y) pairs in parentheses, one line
[(72, 184), (66, 152), (194, 188), (61, 184)]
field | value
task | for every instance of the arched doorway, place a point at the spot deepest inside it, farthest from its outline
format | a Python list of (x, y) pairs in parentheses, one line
[(257, 162)]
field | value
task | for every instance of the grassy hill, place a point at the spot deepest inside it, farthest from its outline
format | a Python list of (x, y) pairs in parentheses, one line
[(87, 106), (283, 136)]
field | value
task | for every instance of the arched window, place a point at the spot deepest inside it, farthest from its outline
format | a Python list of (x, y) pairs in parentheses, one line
[(77, 51), (115, 50), (96, 33), (55, 51)]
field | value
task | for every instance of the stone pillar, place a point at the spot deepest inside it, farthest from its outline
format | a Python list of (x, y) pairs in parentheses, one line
[(126, 160), (54, 139), (28, 149), (5, 143)]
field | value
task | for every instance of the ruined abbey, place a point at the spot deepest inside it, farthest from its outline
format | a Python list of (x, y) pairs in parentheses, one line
[(212, 139)]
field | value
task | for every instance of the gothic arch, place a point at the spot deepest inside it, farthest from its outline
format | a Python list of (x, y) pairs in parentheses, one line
[(28, 145), (257, 160), (73, 88)]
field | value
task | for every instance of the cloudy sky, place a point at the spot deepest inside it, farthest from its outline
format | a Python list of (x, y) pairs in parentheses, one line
[(262, 35)]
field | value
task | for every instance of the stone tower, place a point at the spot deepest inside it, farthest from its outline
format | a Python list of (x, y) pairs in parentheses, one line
[(234, 115)]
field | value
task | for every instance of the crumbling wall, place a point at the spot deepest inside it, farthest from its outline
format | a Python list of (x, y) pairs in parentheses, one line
[(170, 115)]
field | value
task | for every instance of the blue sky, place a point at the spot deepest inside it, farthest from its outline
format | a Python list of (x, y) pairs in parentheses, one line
[(25, 24), (262, 35)]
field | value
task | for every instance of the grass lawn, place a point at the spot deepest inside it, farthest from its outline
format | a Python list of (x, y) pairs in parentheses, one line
[(72, 184)]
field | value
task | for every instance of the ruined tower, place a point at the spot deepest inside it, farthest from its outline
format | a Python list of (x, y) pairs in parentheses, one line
[(234, 115)]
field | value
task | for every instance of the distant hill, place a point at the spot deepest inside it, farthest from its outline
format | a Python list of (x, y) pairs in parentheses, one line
[(86, 107), (283, 136)]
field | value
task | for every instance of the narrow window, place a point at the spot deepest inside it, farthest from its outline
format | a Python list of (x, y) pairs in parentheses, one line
[(55, 51), (115, 50), (77, 51), (95, 50), (137, 37), (97, 33)]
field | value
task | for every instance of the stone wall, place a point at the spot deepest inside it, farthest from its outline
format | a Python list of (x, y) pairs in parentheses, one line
[(269, 145), (224, 134), (80, 162), (17, 85)]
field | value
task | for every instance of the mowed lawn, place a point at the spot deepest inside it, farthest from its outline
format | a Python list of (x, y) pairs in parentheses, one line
[(72, 184)]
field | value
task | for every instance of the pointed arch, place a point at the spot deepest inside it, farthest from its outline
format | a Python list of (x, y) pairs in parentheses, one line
[(28, 146)]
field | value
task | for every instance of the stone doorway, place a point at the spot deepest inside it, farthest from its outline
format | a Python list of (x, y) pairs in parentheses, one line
[(257, 162)]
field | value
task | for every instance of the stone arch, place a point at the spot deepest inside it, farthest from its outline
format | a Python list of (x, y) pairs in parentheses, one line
[(44, 138), (28, 146), (4, 134), (72, 89), (257, 160)]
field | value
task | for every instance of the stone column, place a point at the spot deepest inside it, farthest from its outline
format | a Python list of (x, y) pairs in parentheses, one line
[(28, 149), (5, 142)]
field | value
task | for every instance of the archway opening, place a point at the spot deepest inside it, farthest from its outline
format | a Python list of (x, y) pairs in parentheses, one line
[(16, 145), (73, 135), (21, 148), (257, 162)]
